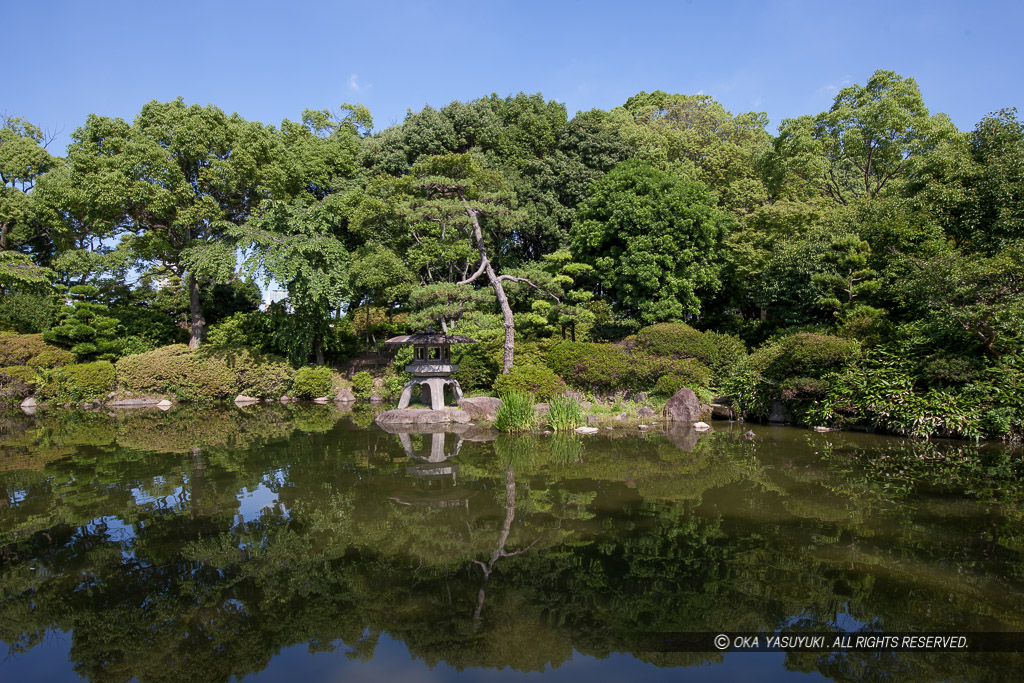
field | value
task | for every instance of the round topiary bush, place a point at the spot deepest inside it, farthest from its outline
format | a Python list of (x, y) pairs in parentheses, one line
[(362, 384), (723, 354), (535, 379), (312, 382)]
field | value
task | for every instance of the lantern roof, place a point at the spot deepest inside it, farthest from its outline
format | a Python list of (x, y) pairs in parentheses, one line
[(430, 337)]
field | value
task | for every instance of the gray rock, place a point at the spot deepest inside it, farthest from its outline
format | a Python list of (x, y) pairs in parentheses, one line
[(640, 397), (542, 409), (242, 399), (593, 420), (412, 416), (622, 417), (827, 429), (481, 407), (345, 395), (683, 407), (645, 411), (164, 404), (701, 426), (322, 400), (643, 428), (720, 412), (780, 413), (573, 395), (586, 430), (376, 399), (133, 403), (29, 403)]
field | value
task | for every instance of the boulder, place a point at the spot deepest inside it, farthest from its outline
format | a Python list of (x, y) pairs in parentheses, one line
[(322, 400), (720, 412), (780, 413), (640, 397), (645, 411), (164, 404), (29, 403), (345, 395), (586, 430), (683, 407), (622, 417), (701, 426), (413, 416), (133, 403), (242, 399), (376, 399), (827, 429), (593, 420), (481, 407)]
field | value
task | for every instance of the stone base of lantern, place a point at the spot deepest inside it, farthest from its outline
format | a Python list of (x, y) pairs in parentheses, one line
[(435, 385)]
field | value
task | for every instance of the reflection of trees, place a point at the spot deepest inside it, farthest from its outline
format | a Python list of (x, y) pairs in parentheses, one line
[(156, 578)]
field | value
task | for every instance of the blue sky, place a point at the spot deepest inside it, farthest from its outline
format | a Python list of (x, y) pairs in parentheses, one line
[(270, 60)]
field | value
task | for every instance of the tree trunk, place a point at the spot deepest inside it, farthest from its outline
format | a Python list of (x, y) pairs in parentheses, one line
[(499, 291), (318, 351), (195, 309)]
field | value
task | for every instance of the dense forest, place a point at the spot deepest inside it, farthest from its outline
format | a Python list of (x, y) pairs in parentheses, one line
[(864, 266)]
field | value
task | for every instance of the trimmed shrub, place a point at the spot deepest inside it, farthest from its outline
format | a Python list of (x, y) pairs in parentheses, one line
[(612, 367), (723, 354), (27, 312), (804, 355), (30, 349), (362, 384), (312, 382), (74, 383), (204, 374), (534, 379), (516, 412)]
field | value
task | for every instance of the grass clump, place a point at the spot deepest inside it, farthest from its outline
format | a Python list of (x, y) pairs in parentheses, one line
[(565, 414), (516, 413)]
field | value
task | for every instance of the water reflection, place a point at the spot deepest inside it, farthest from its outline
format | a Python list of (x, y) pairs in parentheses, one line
[(198, 544)]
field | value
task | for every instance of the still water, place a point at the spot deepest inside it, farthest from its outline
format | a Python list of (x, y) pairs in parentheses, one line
[(305, 543)]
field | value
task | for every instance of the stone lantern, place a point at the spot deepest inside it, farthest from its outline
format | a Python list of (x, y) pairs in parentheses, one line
[(431, 365)]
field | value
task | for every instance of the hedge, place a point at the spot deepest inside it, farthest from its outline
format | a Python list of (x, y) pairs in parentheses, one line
[(723, 354), (74, 383), (30, 349), (612, 367), (204, 374), (530, 378)]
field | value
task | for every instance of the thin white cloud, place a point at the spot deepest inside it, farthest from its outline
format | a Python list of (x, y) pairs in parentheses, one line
[(833, 88), (353, 82)]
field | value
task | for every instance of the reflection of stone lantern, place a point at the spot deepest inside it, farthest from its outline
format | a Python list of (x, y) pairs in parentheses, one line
[(431, 365)]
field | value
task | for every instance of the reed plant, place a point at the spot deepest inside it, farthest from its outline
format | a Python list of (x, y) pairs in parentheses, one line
[(516, 413), (565, 414)]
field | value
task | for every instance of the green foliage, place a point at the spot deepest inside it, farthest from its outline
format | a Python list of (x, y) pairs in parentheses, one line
[(32, 350), (530, 378), (251, 330), (27, 312), (795, 368), (653, 239), (85, 328), (670, 384), (75, 383), (516, 412), (362, 384), (312, 382), (613, 367), (723, 354), (565, 414), (205, 374)]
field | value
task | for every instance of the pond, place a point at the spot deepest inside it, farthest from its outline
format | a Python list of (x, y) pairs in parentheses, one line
[(302, 542)]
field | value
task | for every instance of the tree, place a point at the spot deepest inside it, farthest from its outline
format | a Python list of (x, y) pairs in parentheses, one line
[(84, 328), (180, 178), (867, 141), (653, 239), (23, 159), (848, 276)]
